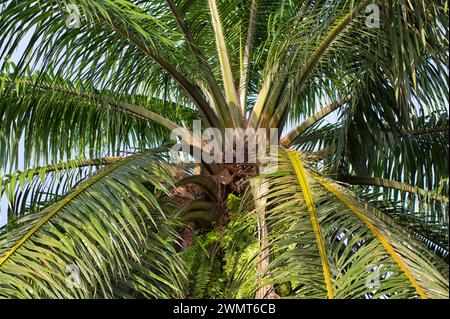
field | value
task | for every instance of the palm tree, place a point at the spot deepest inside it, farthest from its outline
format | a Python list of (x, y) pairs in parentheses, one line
[(356, 206)]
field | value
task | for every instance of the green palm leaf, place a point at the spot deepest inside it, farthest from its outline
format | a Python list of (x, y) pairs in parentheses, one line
[(104, 228), (357, 242)]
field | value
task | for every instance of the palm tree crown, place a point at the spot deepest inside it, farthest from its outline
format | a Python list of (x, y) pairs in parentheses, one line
[(353, 207)]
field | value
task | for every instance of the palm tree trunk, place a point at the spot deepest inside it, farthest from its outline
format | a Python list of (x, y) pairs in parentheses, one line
[(259, 189)]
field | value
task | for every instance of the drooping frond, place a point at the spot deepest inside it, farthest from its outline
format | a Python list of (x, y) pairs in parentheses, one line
[(433, 232), (416, 157), (109, 231), (367, 254), (142, 47), (55, 118), (306, 191), (32, 190)]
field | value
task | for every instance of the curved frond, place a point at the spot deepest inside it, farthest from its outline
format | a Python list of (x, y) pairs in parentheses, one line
[(305, 188), (369, 257), (55, 118), (101, 234), (32, 190)]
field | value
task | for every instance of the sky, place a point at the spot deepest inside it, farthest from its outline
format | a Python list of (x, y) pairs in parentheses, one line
[(3, 203)]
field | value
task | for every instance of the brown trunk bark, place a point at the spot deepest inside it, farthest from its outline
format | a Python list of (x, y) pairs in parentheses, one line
[(260, 188)]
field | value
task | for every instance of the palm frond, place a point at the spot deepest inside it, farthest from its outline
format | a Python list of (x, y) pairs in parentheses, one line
[(432, 231), (143, 46), (357, 240), (32, 190), (55, 118), (305, 188), (227, 75), (110, 227)]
